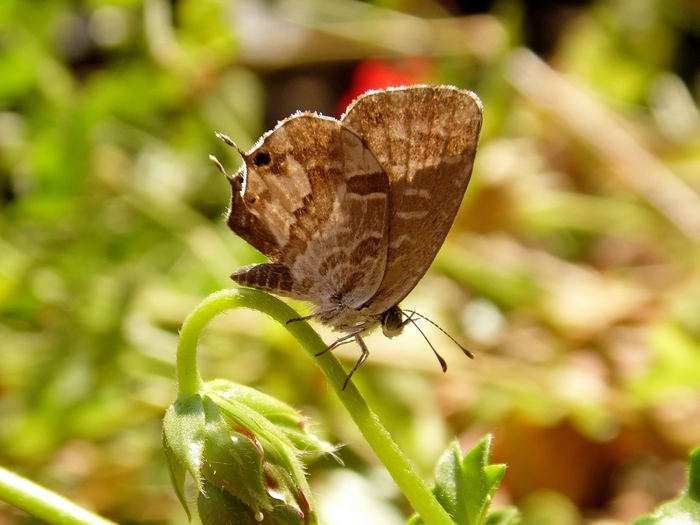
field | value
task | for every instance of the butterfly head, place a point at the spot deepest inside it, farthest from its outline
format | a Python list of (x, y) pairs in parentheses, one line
[(393, 322)]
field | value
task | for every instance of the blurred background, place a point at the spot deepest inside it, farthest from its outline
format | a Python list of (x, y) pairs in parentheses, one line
[(571, 271)]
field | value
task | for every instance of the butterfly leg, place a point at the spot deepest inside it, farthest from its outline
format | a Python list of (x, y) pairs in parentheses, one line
[(297, 319), (354, 335), (341, 341), (363, 357)]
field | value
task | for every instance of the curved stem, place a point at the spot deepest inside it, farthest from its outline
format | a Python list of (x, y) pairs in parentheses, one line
[(415, 490), (44, 504)]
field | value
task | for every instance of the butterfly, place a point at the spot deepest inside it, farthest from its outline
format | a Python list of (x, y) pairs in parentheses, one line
[(352, 212)]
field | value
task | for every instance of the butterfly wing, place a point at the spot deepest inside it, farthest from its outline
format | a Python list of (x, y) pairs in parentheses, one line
[(314, 200), (425, 138)]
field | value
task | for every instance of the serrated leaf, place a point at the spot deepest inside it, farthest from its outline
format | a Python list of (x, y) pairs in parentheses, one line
[(449, 485), (493, 477), (474, 466), (415, 520), (465, 486), (507, 516), (684, 510)]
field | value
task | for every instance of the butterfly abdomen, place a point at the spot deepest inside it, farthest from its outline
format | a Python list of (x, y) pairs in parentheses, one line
[(274, 278)]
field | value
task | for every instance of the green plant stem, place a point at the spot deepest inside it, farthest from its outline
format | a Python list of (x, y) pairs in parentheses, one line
[(44, 504), (413, 487)]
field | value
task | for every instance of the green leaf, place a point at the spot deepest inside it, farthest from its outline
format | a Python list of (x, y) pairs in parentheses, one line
[(233, 461), (286, 490), (684, 510), (218, 507), (178, 472), (285, 418), (184, 434), (278, 448)]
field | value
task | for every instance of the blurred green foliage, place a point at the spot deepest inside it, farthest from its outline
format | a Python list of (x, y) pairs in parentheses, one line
[(571, 271)]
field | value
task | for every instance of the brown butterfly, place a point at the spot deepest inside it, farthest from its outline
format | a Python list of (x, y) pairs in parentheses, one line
[(352, 212)]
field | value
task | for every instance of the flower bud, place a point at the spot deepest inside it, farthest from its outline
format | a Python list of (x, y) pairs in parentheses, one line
[(242, 449)]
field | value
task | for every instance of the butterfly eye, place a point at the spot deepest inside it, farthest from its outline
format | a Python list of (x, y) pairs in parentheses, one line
[(262, 158), (392, 322)]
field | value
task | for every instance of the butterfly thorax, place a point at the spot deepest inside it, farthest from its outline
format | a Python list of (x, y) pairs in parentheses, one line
[(344, 319)]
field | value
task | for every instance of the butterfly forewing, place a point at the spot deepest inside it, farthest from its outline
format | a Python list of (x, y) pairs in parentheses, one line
[(314, 200), (425, 139)]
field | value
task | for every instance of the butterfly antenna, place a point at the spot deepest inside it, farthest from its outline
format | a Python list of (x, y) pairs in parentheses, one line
[(442, 362), (413, 312)]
